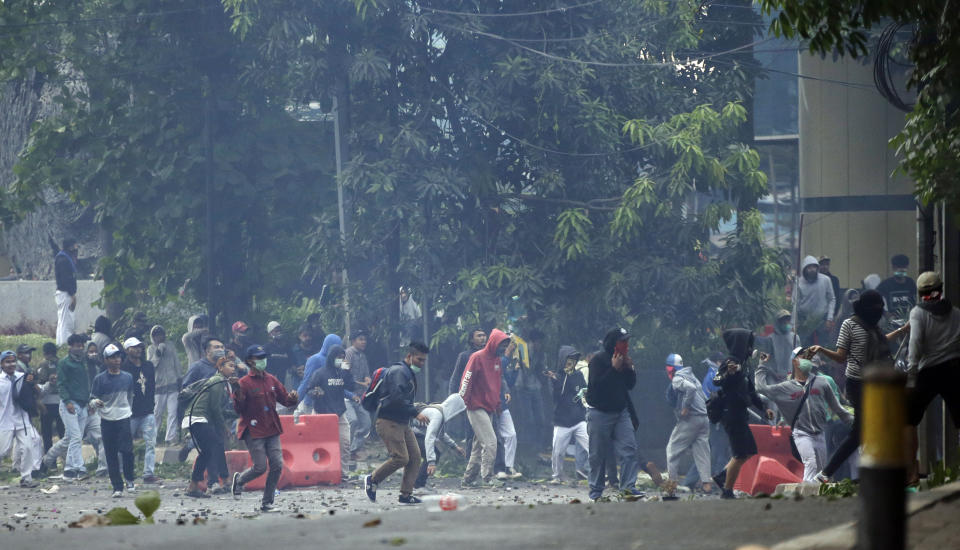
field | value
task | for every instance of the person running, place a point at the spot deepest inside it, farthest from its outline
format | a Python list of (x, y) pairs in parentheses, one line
[(204, 418), (735, 379), (255, 400), (112, 391), (394, 412), (861, 342), (480, 390), (804, 400), (692, 431), (934, 354)]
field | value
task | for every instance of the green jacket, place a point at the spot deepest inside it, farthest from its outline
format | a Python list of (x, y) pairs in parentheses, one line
[(72, 382), (210, 403)]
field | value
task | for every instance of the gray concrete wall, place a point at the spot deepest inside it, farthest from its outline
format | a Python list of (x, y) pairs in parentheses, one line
[(31, 305), (856, 211)]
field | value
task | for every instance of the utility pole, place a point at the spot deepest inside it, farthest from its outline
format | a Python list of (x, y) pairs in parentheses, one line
[(343, 222)]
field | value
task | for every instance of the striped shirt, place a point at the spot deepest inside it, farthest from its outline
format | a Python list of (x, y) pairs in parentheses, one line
[(854, 339)]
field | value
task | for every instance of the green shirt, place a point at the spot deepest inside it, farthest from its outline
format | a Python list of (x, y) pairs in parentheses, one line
[(209, 404), (72, 381)]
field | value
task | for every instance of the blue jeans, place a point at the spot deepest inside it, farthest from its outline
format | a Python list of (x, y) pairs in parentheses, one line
[(73, 425), (614, 431), (146, 427), (360, 424)]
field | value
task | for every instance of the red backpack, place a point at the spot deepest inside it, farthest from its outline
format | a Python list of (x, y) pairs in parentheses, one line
[(371, 398)]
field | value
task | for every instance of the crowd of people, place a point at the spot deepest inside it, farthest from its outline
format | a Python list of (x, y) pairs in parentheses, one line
[(108, 391)]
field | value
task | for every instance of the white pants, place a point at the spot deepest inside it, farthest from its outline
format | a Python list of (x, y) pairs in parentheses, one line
[(167, 403), (66, 319), (813, 453), (24, 438), (562, 436), (36, 447), (343, 425), (509, 435), (693, 433)]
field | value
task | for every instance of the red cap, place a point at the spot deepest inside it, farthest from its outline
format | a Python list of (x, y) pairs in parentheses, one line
[(240, 326)]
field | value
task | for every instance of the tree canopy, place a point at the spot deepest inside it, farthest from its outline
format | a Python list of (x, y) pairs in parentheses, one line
[(579, 158)]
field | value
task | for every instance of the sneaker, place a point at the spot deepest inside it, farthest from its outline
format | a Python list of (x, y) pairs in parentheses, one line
[(74, 475), (218, 489), (370, 488), (556, 481), (118, 494), (728, 494), (513, 474), (269, 507), (634, 492), (197, 494), (491, 484), (822, 478), (131, 488), (502, 475), (41, 472), (409, 499), (469, 484), (150, 479), (235, 487), (27, 483), (721, 478)]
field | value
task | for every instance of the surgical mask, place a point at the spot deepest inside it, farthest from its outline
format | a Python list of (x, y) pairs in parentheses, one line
[(338, 362), (805, 365), (415, 369), (260, 364), (902, 273), (218, 353)]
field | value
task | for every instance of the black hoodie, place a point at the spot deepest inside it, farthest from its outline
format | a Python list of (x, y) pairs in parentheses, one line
[(608, 389), (738, 387), (567, 409)]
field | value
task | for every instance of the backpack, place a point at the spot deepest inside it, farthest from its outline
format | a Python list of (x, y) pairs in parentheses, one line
[(371, 398), (672, 396)]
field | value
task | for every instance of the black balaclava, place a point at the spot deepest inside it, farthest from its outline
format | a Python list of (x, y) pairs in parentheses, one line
[(869, 307)]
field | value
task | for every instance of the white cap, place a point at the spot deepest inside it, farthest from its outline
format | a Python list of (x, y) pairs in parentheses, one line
[(272, 326), (131, 343), (796, 350), (111, 350)]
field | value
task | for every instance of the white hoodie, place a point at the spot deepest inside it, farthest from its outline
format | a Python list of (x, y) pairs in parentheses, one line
[(816, 299)]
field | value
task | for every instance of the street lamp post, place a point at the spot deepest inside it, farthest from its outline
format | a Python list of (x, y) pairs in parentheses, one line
[(311, 112)]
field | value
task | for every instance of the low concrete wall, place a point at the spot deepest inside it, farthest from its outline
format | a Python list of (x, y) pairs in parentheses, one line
[(29, 306)]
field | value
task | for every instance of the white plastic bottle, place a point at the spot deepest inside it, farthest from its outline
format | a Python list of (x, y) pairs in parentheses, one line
[(450, 502)]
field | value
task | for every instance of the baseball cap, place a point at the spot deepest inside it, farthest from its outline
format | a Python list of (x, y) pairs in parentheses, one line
[(824, 259), (795, 352), (272, 326), (24, 348), (255, 350), (7, 353), (239, 326), (783, 313), (111, 350), (131, 343), (927, 281), (358, 333)]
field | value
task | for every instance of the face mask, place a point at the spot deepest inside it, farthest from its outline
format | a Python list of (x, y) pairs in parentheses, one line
[(78, 355), (92, 356), (899, 273), (784, 328), (260, 364), (805, 365), (338, 363), (217, 354), (622, 347), (671, 370), (415, 369)]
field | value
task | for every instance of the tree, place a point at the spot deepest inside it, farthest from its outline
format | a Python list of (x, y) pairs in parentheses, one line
[(929, 144)]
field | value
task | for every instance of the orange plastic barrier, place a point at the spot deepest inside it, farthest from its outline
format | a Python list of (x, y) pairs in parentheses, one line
[(311, 453), (780, 466)]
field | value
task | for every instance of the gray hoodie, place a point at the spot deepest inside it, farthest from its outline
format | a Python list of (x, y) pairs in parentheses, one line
[(689, 392), (787, 396), (816, 299), (934, 334), (167, 364)]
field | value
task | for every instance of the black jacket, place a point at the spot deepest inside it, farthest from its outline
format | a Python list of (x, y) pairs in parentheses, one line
[(608, 389), (333, 381), (568, 411), (397, 393), (457, 374), (65, 274), (279, 358), (738, 387), (25, 395)]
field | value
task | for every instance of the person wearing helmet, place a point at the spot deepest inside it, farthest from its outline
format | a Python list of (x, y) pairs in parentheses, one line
[(934, 354), (692, 432)]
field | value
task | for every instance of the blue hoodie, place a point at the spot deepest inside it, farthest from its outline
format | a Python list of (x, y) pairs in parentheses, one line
[(316, 361)]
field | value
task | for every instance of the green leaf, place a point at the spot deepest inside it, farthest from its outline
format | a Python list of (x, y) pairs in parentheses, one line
[(122, 516)]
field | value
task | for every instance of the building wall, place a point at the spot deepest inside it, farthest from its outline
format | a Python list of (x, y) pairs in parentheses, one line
[(29, 306), (855, 211)]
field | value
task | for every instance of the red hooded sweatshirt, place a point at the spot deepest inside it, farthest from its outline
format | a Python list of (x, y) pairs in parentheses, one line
[(480, 384)]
